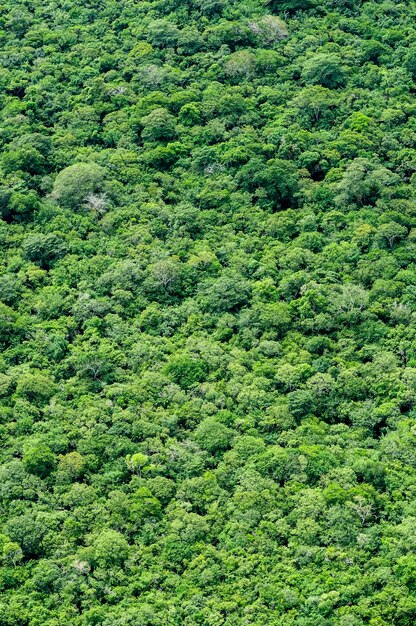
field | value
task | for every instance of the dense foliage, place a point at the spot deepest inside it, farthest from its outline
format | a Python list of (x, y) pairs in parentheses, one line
[(207, 305)]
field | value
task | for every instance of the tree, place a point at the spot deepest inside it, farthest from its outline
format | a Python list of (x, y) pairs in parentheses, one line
[(411, 60), (290, 5), (144, 506), (213, 436), (165, 273), (324, 69), (44, 249), (227, 293), (315, 104), (75, 183), (28, 531), (240, 64), (350, 302), (390, 233), (163, 33), (12, 553), (71, 465), (94, 362), (363, 182), (269, 29), (159, 125), (39, 460), (279, 178), (27, 159), (186, 370), (301, 403), (35, 387), (110, 548), (136, 462)]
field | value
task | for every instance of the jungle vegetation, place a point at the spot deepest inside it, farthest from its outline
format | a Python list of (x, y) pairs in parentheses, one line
[(207, 313)]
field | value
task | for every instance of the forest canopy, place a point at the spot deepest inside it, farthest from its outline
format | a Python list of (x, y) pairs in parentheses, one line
[(207, 313)]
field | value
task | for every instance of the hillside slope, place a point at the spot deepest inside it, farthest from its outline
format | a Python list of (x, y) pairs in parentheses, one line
[(207, 313)]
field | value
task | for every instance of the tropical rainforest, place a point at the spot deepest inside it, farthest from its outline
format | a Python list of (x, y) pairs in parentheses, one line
[(207, 313)]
